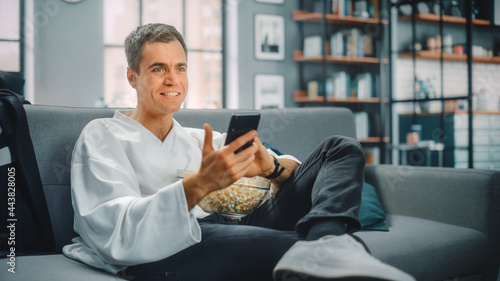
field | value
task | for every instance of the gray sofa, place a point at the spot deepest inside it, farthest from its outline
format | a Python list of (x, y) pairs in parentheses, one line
[(444, 223)]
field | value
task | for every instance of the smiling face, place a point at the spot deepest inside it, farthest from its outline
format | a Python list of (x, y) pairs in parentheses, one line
[(161, 80)]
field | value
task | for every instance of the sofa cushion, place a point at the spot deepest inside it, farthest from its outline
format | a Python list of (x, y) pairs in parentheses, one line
[(52, 268), (429, 250)]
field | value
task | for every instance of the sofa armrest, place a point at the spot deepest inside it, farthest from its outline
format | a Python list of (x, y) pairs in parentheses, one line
[(463, 197)]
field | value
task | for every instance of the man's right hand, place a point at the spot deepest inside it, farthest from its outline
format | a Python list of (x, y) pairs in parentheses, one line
[(219, 168)]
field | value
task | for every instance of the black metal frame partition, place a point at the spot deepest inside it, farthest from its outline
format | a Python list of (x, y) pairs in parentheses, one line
[(442, 99)]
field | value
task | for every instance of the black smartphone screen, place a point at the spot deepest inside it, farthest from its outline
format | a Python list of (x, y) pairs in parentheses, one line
[(240, 124)]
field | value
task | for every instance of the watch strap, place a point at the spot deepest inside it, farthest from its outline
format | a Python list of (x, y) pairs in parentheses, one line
[(277, 171)]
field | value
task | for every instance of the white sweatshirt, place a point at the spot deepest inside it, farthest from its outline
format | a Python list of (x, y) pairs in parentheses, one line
[(130, 208)]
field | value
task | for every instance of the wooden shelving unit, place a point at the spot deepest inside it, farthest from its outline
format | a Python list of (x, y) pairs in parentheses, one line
[(433, 55), (353, 65), (431, 18), (457, 111), (300, 15), (299, 57), (374, 140), (301, 96)]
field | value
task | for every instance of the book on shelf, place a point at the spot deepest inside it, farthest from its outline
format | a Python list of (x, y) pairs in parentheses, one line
[(336, 44), (336, 7), (368, 46), (357, 8), (341, 7), (352, 46), (341, 85), (313, 88), (312, 46), (351, 43), (373, 9), (362, 124), (348, 8), (364, 85), (329, 88)]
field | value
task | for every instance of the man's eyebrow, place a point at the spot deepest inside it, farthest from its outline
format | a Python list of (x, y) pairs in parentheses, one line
[(155, 64)]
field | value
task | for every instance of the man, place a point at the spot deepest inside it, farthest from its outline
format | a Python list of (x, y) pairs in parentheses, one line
[(137, 220)]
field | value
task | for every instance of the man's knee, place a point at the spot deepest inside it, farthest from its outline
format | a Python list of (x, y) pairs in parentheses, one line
[(347, 144)]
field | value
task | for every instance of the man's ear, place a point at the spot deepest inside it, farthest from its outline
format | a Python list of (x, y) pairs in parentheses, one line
[(132, 77)]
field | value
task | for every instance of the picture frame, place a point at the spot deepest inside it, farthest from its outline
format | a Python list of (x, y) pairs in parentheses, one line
[(271, 1), (269, 91), (269, 37)]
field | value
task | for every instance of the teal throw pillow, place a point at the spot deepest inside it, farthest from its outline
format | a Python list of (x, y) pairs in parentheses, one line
[(371, 214)]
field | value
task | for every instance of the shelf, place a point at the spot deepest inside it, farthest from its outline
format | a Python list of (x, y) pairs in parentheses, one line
[(431, 99), (374, 140), (478, 112), (458, 111), (430, 55), (301, 96), (299, 57), (431, 18), (300, 15)]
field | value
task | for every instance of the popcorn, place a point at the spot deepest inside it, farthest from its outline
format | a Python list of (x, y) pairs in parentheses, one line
[(235, 199), (238, 199)]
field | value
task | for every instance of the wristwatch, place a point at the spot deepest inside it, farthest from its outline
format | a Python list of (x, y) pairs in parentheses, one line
[(277, 171)]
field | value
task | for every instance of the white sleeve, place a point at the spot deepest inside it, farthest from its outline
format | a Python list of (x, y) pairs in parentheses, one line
[(112, 216), (284, 156)]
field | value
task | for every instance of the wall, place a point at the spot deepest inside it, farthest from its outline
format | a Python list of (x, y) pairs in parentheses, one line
[(249, 66), (68, 52)]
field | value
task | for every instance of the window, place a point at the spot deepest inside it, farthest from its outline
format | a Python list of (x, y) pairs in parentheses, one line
[(199, 21), (10, 36)]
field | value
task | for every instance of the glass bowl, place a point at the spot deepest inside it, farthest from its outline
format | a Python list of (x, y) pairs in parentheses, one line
[(236, 200)]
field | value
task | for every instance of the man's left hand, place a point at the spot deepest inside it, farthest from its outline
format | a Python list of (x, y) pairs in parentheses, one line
[(263, 165)]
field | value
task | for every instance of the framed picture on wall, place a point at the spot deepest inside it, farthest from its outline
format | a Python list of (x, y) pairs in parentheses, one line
[(271, 1), (269, 91), (269, 37)]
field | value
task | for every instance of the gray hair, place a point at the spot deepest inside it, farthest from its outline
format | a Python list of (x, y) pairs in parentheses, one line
[(153, 32)]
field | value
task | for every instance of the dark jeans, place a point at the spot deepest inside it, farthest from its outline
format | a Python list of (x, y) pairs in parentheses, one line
[(327, 184)]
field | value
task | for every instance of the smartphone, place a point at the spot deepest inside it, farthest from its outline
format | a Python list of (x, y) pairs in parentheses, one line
[(240, 124)]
